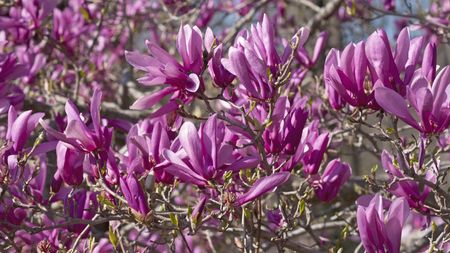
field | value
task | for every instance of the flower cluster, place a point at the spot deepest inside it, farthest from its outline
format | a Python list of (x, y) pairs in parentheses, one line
[(222, 136)]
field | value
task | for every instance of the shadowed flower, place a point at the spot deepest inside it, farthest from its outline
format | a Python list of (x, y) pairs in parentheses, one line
[(409, 189), (10, 70), (327, 186), (133, 193), (82, 205)]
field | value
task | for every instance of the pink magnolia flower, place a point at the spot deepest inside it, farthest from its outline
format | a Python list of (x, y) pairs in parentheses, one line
[(429, 99), (204, 154), (10, 70), (254, 58), (381, 232), (162, 68), (134, 194), (83, 146), (327, 185)]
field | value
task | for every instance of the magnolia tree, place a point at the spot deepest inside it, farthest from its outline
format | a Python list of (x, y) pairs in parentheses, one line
[(224, 126)]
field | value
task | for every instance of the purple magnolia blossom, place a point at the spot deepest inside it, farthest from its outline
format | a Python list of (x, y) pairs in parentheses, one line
[(10, 70), (45, 241), (285, 132), (380, 232), (11, 214), (133, 193), (386, 67), (431, 103), (146, 142), (221, 77), (26, 17), (162, 68), (20, 127), (82, 205), (345, 73), (204, 155), (83, 144), (409, 189), (334, 98), (70, 164), (68, 26), (275, 219), (262, 186), (318, 144), (306, 60), (327, 185), (309, 61), (254, 59), (36, 177)]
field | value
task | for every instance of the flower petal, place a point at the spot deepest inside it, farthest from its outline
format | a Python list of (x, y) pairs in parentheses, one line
[(393, 103)]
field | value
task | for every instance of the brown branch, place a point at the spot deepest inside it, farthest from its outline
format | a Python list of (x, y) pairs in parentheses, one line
[(241, 22), (108, 109), (325, 12)]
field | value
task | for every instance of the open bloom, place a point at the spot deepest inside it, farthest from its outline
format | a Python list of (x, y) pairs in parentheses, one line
[(380, 232), (83, 143), (328, 185), (162, 68), (431, 102), (204, 155)]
